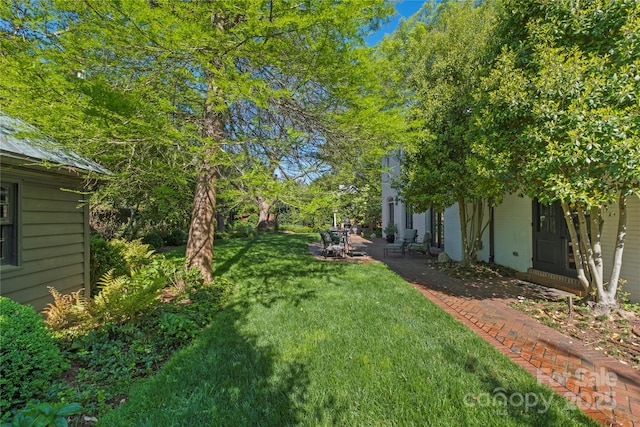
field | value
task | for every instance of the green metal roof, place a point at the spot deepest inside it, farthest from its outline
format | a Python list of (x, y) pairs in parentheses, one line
[(21, 140)]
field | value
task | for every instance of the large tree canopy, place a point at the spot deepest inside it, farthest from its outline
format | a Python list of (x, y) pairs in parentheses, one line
[(561, 115), (183, 95), (446, 51)]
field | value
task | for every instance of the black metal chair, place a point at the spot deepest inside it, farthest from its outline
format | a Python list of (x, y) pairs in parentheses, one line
[(329, 247)]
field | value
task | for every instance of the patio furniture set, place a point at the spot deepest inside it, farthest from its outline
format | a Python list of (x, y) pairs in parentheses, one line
[(338, 243), (408, 244)]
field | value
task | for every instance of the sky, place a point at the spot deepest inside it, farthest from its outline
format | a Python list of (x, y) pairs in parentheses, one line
[(404, 8)]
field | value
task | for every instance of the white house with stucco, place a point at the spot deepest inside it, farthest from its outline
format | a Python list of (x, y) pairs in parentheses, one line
[(525, 235)]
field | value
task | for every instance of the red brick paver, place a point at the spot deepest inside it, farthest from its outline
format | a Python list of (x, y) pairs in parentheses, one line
[(604, 388)]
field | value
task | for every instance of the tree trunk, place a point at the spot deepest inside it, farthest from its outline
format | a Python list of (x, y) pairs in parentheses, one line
[(200, 243), (201, 232), (462, 210), (263, 214), (575, 243), (472, 228), (609, 294)]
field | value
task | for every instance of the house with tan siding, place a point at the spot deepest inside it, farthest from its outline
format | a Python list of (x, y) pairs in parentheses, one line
[(44, 215)]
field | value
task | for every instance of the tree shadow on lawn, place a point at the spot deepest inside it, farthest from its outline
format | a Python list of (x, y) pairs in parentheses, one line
[(518, 398), (230, 374), (277, 266), (226, 377)]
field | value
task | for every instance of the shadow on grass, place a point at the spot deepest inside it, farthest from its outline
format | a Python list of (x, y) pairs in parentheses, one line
[(231, 374), (274, 259), (523, 402), (226, 377)]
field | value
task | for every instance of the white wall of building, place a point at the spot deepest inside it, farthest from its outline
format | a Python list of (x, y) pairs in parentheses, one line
[(513, 235), (391, 166), (421, 223), (452, 236), (514, 239), (631, 255), (391, 202)]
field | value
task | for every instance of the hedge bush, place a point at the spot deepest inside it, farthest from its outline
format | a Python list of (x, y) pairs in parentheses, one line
[(153, 239), (176, 237), (104, 258), (29, 357)]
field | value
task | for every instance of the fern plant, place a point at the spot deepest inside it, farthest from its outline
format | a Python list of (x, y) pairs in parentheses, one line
[(122, 297), (135, 253), (66, 310)]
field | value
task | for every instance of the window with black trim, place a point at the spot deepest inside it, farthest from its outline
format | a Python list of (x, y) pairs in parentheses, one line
[(8, 225), (408, 217)]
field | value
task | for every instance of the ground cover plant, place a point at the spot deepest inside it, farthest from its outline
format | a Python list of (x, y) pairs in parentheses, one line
[(307, 342), (135, 322)]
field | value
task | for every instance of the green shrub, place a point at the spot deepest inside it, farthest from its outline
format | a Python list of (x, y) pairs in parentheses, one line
[(104, 257), (154, 240), (136, 254), (297, 229), (252, 220), (44, 415), (29, 358), (177, 329), (122, 298), (176, 237)]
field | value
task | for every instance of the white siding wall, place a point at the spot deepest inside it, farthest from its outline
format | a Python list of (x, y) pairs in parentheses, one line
[(512, 233), (631, 256), (452, 237), (392, 167), (485, 251), (420, 220), (421, 223), (513, 244)]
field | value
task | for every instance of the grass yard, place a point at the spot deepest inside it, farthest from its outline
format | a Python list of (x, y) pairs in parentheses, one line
[(308, 342)]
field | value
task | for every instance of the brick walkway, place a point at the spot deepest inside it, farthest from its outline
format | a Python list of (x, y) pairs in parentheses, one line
[(607, 390)]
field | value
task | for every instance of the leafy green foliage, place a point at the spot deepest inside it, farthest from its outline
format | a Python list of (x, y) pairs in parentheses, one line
[(136, 253), (29, 357), (176, 237), (153, 239), (560, 117), (290, 88), (104, 258), (122, 298), (297, 228), (110, 356), (447, 56), (44, 415), (177, 329), (447, 53)]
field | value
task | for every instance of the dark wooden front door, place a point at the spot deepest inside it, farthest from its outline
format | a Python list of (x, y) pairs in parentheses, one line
[(552, 250)]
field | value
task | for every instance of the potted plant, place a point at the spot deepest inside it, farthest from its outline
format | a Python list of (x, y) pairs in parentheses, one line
[(390, 231)]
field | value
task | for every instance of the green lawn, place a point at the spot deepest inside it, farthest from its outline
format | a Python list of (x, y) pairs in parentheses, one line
[(308, 342)]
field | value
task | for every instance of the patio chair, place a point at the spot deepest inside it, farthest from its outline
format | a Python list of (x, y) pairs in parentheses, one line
[(329, 247), (409, 236), (424, 247)]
